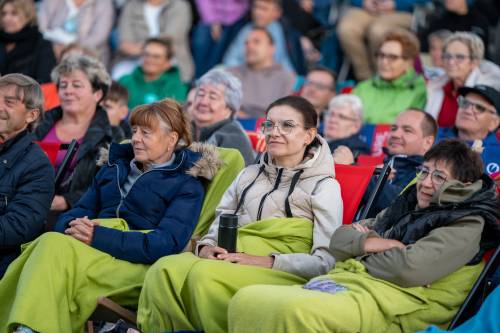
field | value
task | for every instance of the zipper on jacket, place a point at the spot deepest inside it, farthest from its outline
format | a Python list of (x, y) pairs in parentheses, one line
[(275, 187), (124, 196)]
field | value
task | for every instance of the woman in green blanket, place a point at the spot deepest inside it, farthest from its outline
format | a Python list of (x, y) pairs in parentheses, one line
[(411, 266), (143, 204), (289, 205)]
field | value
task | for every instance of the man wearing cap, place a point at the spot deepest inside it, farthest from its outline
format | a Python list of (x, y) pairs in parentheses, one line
[(478, 119)]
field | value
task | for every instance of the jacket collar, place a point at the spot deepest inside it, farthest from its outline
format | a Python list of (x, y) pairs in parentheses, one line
[(13, 149), (99, 128), (206, 132), (198, 160), (138, 75), (405, 81)]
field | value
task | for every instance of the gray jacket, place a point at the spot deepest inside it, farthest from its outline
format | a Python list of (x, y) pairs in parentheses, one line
[(441, 252), (227, 134)]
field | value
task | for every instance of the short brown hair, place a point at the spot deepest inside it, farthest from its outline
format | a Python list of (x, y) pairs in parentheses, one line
[(428, 125), (466, 165), (117, 93), (167, 112), (163, 41), (26, 7), (409, 42)]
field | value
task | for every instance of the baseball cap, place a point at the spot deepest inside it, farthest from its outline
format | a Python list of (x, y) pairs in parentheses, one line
[(491, 94)]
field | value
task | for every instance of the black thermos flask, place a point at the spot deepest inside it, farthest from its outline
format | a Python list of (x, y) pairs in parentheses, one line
[(228, 232)]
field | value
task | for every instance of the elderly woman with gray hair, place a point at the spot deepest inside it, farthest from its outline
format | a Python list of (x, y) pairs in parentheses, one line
[(343, 122), (82, 83), (217, 99), (464, 65)]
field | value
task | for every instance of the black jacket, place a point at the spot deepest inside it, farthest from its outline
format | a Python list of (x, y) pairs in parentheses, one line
[(98, 135), (403, 222), (26, 192), (405, 168), (354, 143), (32, 55)]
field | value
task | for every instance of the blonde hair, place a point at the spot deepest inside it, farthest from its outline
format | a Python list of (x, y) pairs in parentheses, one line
[(26, 7), (472, 41)]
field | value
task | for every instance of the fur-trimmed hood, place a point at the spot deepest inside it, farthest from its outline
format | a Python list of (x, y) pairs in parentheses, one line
[(200, 160)]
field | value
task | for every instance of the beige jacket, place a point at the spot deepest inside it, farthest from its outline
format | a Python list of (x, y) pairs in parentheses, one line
[(441, 252), (315, 197)]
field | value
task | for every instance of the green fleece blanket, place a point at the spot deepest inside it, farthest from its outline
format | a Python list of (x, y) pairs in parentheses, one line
[(185, 292), (53, 286), (369, 305), (233, 164)]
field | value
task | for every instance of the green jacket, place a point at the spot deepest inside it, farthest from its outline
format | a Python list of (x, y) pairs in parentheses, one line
[(169, 84), (384, 100), (439, 253)]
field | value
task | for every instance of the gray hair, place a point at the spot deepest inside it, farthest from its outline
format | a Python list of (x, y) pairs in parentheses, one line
[(348, 100), (93, 69), (28, 91), (233, 93), (472, 41), (441, 34)]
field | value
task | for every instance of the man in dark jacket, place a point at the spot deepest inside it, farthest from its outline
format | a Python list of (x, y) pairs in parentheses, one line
[(26, 176), (411, 136)]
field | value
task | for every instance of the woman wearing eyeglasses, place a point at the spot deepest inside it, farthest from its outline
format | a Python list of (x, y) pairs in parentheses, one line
[(409, 267), (396, 86), (464, 65), (343, 121), (288, 206)]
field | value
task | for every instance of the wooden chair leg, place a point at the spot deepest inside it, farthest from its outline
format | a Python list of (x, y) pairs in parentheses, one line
[(90, 326)]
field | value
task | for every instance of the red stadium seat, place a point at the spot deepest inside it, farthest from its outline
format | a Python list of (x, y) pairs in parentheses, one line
[(258, 141), (50, 96), (51, 149), (369, 160), (353, 182)]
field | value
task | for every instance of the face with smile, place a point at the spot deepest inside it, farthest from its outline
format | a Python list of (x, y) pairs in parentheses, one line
[(457, 61), (14, 116), (286, 137), (431, 180), (475, 124), (209, 105), (407, 137), (76, 93)]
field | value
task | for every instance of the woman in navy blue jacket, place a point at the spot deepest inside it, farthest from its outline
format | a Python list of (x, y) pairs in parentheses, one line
[(143, 204)]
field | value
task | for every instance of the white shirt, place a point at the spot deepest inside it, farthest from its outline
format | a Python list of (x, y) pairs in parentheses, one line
[(152, 16)]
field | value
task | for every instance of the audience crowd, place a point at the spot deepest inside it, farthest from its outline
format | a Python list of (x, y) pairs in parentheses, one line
[(184, 111)]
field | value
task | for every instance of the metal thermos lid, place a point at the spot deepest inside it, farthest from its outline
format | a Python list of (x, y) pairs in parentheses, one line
[(228, 220)]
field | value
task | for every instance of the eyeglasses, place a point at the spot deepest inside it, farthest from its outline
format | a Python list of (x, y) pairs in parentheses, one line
[(155, 56), (464, 103), (284, 126), (458, 57), (437, 176), (341, 116), (318, 85), (390, 57)]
